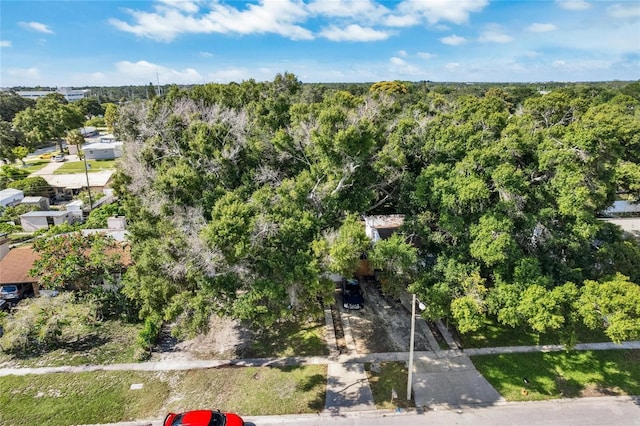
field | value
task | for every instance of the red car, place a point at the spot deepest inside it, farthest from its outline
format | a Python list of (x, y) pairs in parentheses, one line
[(203, 418)]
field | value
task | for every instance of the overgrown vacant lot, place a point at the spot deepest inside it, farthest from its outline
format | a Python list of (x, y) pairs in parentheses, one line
[(104, 397), (562, 374), (113, 342)]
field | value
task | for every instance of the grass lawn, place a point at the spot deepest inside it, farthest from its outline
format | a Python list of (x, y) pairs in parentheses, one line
[(494, 334), (71, 167), (33, 165), (80, 398), (290, 339), (104, 397), (113, 343), (385, 377), (562, 374), (251, 391)]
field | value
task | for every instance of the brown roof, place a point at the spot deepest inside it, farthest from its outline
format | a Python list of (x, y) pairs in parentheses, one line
[(14, 267)]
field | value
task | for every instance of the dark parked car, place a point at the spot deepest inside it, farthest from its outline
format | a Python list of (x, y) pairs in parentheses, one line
[(15, 292), (203, 418), (352, 294)]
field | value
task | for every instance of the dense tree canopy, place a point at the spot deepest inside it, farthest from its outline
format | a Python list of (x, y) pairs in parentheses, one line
[(242, 196), (50, 119)]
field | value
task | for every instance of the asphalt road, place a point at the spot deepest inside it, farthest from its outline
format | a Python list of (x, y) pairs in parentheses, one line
[(583, 412), (598, 411)]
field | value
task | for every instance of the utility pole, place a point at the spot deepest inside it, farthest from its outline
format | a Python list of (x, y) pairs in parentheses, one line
[(86, 173)]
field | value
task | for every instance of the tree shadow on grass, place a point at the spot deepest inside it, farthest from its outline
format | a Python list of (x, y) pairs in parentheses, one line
[(315, 381)]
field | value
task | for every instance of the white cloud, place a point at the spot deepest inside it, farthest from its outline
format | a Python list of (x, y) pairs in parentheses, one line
[(402, 52), (624, 10), (581, 65), (453, 40), (143, 71), (353, 32), (362, 10), (5, 43), (401, 67), (452, 66), (494, 34), (186, 6), (541, 27), (425, 55), (206, 54), (573, 4), (401, 20), (532, 54), (455, 11), (36, 26), (32, 73), (268, 16)]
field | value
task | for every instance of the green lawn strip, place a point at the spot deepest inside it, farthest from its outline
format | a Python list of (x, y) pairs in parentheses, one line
[(80, 398), (384, 378), (72, 167), (113, 343), (494, 334), (290, 339), (562, 374), (252, 391), (34, 165)]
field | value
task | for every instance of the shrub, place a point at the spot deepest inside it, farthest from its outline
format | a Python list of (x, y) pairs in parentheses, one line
[(44, 323)]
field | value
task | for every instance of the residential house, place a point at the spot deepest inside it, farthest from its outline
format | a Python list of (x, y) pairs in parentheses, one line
[(15, 266), (102, 150)]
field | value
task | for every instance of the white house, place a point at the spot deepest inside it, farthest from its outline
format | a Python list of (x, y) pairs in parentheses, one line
[(103, 150), (68, 93), (33, 221), (10, 197)]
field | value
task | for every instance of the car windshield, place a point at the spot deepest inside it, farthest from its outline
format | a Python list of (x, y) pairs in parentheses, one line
[(9, 289), (217, 419)]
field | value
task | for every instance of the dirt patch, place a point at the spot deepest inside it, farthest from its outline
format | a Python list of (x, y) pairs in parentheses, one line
[(226, 339), (384, 325), (594, 389)]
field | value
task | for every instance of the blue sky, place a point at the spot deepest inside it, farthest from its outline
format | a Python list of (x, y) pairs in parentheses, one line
[(107, 43)]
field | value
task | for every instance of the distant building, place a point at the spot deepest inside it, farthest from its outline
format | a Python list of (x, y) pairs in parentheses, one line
[(10, 197), (68, 93), (103, 150)]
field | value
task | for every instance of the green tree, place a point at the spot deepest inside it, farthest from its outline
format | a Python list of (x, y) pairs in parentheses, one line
[(344, 249), (33, 186), (75, 261), (49, 120), (20, 152), (614, 305), (11, 103), (90, 107), (10, 139), (110, 116), (397, 259)]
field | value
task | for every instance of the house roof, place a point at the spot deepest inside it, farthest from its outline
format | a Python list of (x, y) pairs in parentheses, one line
[(14, 267), (10, 192), (79, 180), (27, 200), (48, 213)]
